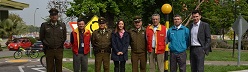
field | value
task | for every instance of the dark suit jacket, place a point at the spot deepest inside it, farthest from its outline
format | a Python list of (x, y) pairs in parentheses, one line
[(204, 36)]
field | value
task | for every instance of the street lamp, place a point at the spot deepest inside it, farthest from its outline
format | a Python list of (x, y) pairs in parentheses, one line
[(166, 9), (34, 18), (34, 15)]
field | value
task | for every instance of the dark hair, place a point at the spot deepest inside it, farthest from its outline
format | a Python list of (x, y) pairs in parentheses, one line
[(117, 23), (196, 11), (177, 15), (79, 20)]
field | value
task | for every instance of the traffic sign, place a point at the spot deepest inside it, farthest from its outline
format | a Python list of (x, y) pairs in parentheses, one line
[(73, 25), (91, 25), (240, 22), (240, 26)]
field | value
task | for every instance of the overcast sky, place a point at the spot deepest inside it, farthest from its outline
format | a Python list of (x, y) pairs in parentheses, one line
[(28, 13)]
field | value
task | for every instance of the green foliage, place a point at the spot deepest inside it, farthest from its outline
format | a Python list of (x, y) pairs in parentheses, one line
[(14, 25), (220, 15), (33, 40), (32, 28), (230, 34)]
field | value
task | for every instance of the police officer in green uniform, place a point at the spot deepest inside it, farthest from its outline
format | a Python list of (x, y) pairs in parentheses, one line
[(138, 45), (53, 36), (101, 42)]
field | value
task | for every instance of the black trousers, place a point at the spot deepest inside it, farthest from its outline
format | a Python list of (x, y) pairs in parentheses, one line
[(197, 56), (119, 66), (178, 60)]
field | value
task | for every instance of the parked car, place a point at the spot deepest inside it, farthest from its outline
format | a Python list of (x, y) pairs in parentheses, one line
[(67, 44), (15, 44), (37, 46)]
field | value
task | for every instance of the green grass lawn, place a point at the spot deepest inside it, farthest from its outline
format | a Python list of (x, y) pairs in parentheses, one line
[(215, 55), (208, 68), (225, 55)]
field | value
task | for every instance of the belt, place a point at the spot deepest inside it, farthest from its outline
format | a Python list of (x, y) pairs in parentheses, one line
[(49, 48), (103, 51)]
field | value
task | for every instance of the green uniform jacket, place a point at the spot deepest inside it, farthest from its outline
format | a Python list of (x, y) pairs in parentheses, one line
[(53, 36), (138, 40), (101, 42)]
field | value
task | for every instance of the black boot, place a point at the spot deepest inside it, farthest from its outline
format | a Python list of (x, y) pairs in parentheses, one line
[(116, 69), (122, 70)]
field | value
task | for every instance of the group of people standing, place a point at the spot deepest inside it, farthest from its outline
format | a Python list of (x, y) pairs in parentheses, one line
[(149, 42)]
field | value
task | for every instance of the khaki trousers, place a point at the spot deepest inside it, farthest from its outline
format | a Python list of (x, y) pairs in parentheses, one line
[(54, 60), (102, 58), (138, 58), (156, 58)]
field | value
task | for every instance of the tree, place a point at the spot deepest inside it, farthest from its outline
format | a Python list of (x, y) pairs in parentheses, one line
[(218, 13), (61, 6), (110, 9), (32, 28), (14, 25)]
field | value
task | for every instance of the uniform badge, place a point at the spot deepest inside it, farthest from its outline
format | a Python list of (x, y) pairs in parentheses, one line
[(143, 32), (161, 34), (61, 28), (47, 28)]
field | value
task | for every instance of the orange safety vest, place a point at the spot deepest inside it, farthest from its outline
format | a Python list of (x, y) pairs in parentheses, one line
[(75, 45), (160, 38)]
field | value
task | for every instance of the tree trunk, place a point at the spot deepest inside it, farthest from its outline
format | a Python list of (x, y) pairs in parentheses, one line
[(10, 37), (110, 19)]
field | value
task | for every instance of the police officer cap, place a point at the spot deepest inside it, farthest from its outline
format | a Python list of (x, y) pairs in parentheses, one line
[(53, 11), (101, 20), (137, 19)]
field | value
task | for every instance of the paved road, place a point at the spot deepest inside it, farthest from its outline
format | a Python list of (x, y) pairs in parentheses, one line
[(23, 65), (6, 53)]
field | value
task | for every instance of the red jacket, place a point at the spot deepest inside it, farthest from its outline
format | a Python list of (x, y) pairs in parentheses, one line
[(75, 44), (160, 38)]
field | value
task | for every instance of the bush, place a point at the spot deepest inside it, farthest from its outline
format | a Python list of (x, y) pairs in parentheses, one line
[(244, 44), (220, 44)]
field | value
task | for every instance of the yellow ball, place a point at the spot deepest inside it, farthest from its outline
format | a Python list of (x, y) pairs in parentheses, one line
[(166, 8)]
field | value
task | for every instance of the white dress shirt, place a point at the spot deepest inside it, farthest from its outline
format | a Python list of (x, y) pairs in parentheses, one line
[(194, 33), (154, 36)]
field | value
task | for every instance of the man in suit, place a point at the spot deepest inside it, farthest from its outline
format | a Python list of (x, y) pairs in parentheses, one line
[(200, 42)]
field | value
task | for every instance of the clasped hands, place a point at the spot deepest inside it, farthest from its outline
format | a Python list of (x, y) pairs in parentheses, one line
[(119, 53)]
